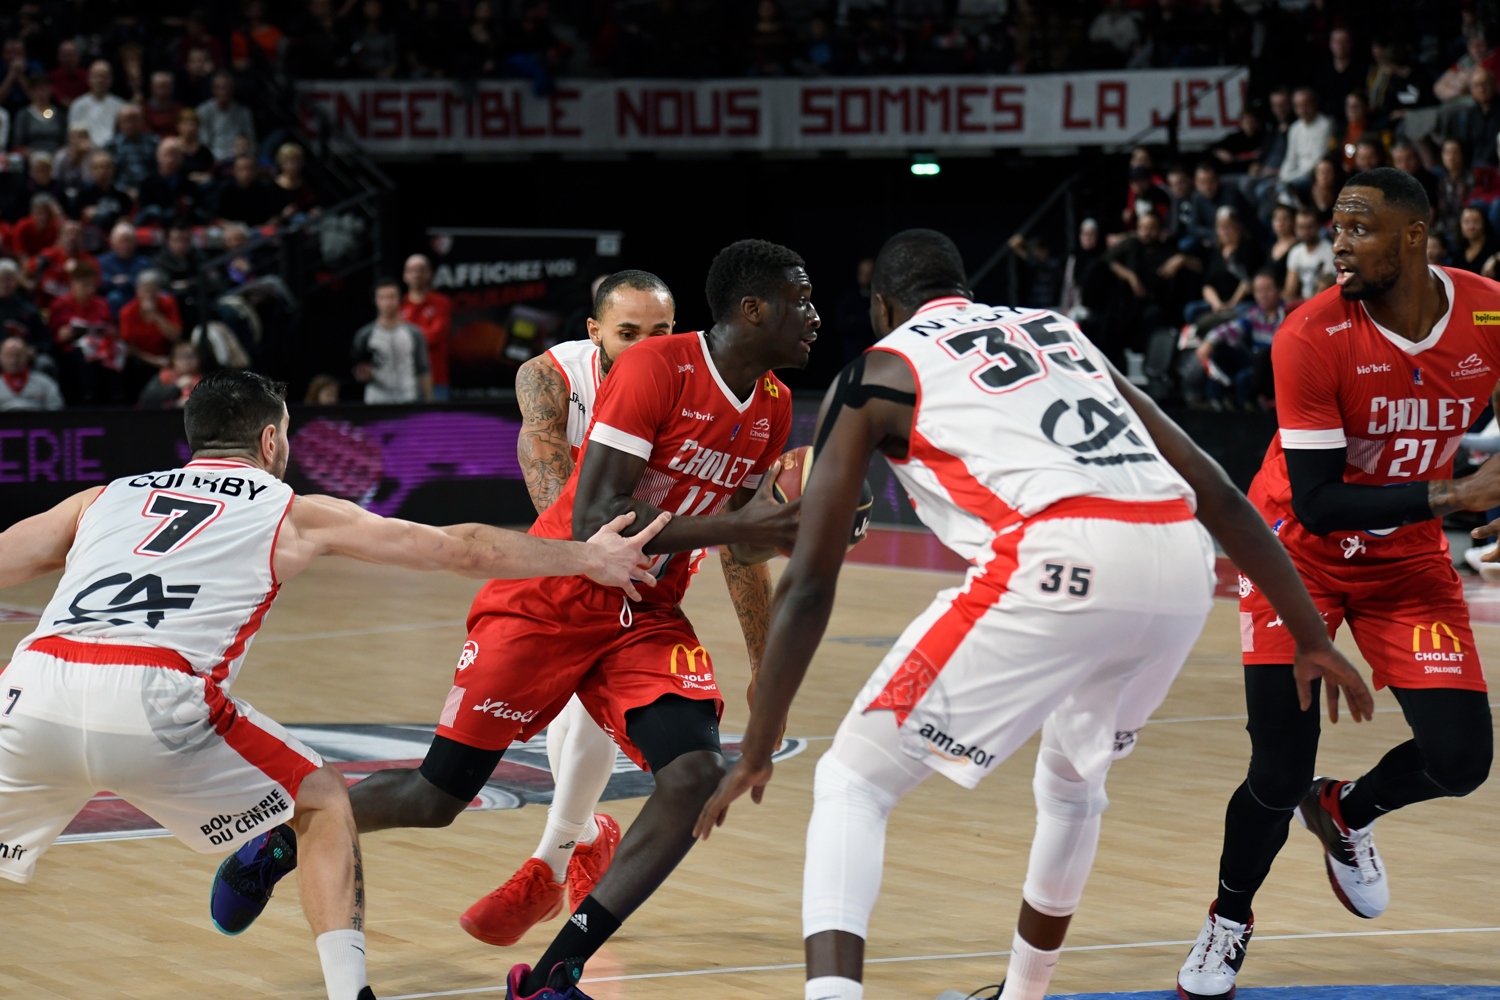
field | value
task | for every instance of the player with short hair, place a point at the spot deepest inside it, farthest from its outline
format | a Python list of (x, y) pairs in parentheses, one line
[(167, 576), (1074, 498), (555, 392), (688, 423), (1377, 379)]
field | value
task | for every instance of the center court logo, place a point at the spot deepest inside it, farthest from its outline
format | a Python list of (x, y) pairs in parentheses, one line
[(1434, 636), (469, 654)]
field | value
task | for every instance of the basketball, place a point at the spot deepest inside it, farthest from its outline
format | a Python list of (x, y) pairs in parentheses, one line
[(795, 466)]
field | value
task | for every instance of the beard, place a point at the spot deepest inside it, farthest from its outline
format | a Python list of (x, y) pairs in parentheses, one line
[(1374, 287)]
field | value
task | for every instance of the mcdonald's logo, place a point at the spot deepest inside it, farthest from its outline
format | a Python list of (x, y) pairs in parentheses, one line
[(771, 388), (691, 658), (1437, 640)]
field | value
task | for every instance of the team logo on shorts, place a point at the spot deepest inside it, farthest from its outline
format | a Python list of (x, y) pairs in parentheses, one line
[(1352, 546), (470, 652), (1246, 587), (1437, 660)]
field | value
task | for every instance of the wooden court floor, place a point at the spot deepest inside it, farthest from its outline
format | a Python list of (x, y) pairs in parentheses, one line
[(351, 643)]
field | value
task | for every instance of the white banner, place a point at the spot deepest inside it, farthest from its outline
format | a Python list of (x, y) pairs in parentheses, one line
[(865, 113)]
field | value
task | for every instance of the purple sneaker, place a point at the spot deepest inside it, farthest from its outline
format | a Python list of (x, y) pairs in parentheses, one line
[(554, 990), (242, 885)]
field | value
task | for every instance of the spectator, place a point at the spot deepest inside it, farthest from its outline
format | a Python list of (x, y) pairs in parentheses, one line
[(18, 72), (1404, 157), (1356, 120), (178, 261), (390, 355), (69, 81), (1327, 180), (241, 268), (71, 165), (1273, 152), (1230, 266), (1143, 197), (1238, 351), (251, 199), (1437, 249), (221, 120), (851, 315), (120, 266), (132, 60), (161, 108), (133, 150), (1209, 196), (1394, 84), (1078, 273), (1476, 242), (432, 313), (822, 53), (1240, 151), (1115, 35), (1341, 75), (293, 186), (1180, 206), (323, 390), (41, 126), (88, 342), (102, 203), (52, 267), (39, 180), (1307, 140), (316, 50), (39, 229), (1456, 185), (1454, 83), (167, 194), (1041, 273), (20, 387), (197, 36), (197, 159), (770, 42), (372, 53), (196, 83), (98, 109), (1284, 237), (150, 323), (1477, 126), (256, 38), (1369, 153), (1310, 261), (1150, 268), (176, 381), (19, 316), (484, 44)]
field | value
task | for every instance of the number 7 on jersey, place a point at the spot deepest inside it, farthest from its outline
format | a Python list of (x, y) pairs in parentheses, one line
[(181, 517)]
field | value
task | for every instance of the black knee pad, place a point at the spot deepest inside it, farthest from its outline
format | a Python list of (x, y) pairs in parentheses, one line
[(457, 768), (671, 726)]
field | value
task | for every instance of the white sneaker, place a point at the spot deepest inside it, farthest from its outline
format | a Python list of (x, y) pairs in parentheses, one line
[(1488, 571), (1355, 870), (1208, 973)]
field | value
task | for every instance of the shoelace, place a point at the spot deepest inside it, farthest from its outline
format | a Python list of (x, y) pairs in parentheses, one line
[(1222, 946), (259, 874), (1362, 845)]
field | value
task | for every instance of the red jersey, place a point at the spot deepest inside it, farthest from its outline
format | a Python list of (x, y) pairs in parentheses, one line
[(1400, 408), (664, 401), (434, 317)]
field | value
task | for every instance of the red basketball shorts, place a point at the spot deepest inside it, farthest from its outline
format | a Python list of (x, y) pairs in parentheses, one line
[(557, 637), (1407, 613)]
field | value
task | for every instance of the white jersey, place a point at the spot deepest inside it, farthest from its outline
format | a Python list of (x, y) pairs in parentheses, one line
[(1015, 411), (179, 560), (578, 360)]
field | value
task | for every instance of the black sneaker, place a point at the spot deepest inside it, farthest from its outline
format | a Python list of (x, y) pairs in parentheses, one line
[(242, 885)]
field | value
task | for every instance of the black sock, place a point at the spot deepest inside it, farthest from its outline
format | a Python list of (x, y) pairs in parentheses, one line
[(1253, 834), (583, 934), (1398, 780)]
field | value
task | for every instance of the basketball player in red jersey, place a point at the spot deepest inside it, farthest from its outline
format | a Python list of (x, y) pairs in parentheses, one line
[(690, 424), (1377, 379)]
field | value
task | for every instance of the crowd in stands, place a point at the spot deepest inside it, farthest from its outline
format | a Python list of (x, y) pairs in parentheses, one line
[(1186, 278)]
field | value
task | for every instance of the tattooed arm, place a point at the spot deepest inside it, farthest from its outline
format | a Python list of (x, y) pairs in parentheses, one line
[(542, 446), (750, 590)]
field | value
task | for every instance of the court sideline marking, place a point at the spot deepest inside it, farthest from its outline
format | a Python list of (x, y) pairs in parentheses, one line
[(973, 954)]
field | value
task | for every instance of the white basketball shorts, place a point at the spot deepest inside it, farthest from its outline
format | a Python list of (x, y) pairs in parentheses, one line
[(1081, 618), (77, 718)]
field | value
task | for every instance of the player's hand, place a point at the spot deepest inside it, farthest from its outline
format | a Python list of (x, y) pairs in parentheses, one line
[(747, 776), (620, 561), (766, 523), (1338, 675), (1488, 531), (1479, 491)]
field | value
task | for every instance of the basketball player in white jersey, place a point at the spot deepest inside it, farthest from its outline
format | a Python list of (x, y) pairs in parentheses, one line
[(555, 392), (167, 576), (1074, 497)]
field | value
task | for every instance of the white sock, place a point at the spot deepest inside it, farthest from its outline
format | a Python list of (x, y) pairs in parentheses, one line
[(834, 988), (1030, 970), (343, 955), (558, 841)]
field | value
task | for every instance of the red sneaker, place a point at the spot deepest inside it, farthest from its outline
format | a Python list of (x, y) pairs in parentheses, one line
[(505, 915), (591, 861)]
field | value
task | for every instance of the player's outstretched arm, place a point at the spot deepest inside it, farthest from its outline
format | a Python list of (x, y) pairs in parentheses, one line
[(39, 544), (1258, 554), (750, 593), (606, 489), (321, 525), (542, 445)]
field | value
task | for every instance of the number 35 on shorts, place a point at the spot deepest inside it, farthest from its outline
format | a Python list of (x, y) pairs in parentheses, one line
[(1066, 578)]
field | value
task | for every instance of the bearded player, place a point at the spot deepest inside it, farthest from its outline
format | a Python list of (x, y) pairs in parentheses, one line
[(1377, 380), (1074, 497), (688, 423), (555, 392)]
